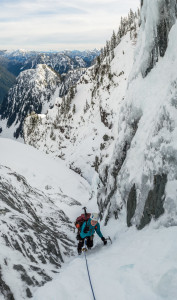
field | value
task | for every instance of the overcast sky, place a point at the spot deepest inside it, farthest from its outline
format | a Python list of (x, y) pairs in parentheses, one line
[(60, 24)]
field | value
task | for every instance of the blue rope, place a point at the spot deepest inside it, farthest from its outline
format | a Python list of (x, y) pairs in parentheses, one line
[(89, 277)]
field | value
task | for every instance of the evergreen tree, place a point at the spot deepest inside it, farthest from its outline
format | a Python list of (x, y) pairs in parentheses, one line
[(98, 61), (118, 38), (131, 17), (112, 54), (86, 107), (113, 40), (104, 50), (71, 92), (102, 54), (74, 109), (107, 48)]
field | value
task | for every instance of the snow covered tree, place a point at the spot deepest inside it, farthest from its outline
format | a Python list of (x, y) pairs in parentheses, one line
[(86, 107), (131, 17), (101, 54), (107, 48), (113, 40), (71, 92), (104, 50), (98, 60), (74, 109)]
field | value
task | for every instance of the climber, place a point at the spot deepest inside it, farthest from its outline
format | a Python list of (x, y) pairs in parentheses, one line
[(87, 231)]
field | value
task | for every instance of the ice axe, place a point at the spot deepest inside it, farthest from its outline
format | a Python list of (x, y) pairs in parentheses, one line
[(85, 210), (108, 239)]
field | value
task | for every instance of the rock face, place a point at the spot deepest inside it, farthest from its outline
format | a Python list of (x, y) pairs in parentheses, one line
[(131, 205), (154, 203), (35, 236)]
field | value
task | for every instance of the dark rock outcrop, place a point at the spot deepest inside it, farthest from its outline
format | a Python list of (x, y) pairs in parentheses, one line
[(154, 204), (167, 18), (131, 205)]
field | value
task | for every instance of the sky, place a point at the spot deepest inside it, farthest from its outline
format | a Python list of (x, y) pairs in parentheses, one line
[(57, 24)]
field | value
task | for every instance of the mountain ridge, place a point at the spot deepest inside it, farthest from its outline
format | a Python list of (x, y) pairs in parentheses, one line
[(69, 64)]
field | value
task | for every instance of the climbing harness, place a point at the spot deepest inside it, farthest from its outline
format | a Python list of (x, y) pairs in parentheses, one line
[(85, 250)]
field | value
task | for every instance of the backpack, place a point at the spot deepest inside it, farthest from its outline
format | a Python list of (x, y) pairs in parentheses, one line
[(81, 219)]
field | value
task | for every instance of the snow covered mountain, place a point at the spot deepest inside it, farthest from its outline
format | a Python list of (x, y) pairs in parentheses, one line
[(35, 90), (61, 62), (37, 211), (23, 98), (119, 130), (81, 126)]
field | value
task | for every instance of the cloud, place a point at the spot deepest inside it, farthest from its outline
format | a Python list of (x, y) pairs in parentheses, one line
[(43, 24)]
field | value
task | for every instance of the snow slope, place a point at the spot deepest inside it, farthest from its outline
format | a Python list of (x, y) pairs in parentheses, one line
[(39, 201), (43, 172), (138, 265)]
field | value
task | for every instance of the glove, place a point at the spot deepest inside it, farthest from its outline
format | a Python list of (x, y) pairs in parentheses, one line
[(104, 240)]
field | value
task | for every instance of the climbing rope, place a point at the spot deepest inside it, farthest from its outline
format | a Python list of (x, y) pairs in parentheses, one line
[(85, 250), (89, 275)]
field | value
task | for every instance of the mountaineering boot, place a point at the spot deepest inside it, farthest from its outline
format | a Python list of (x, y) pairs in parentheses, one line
[(79, 250), (80, 245)]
